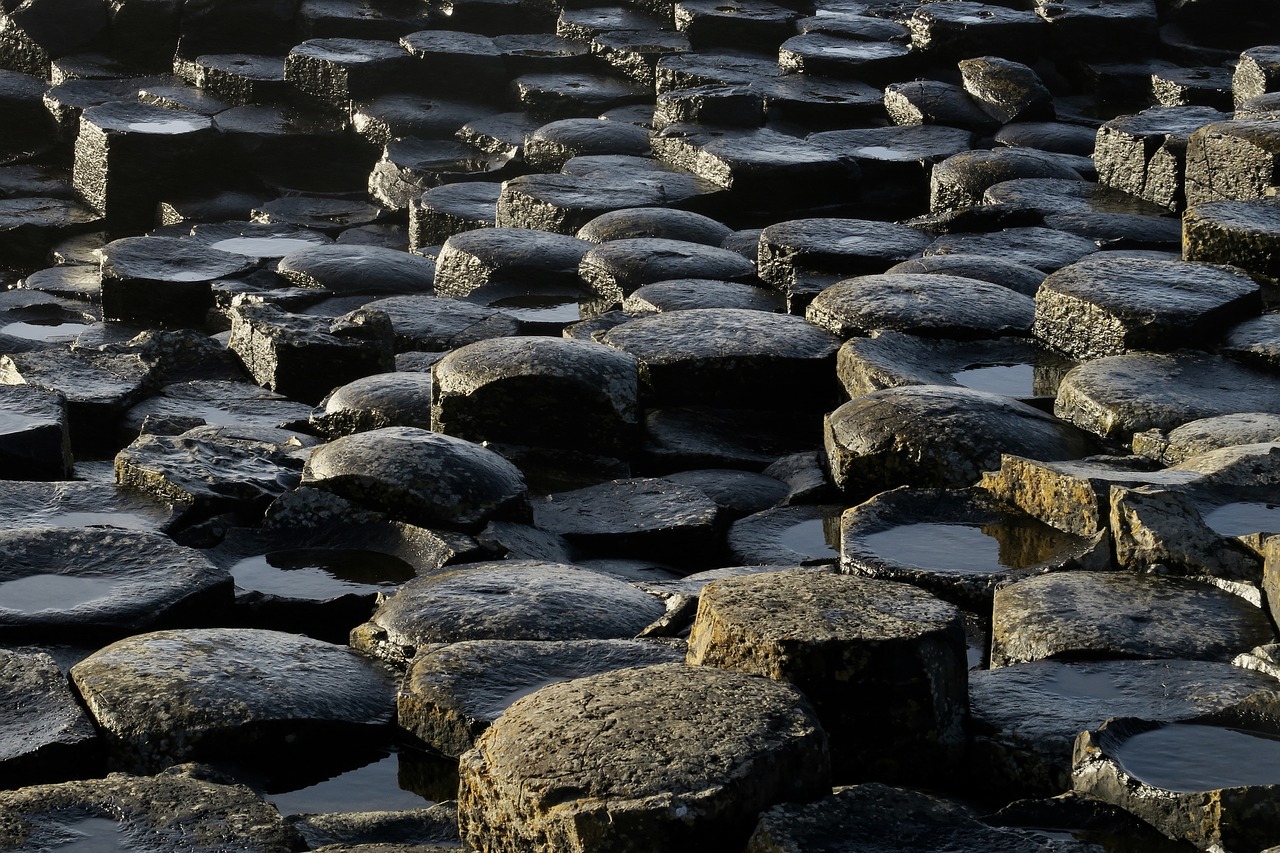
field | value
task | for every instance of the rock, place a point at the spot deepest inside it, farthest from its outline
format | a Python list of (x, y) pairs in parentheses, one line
[(935, 102), (306, 357), (1073, 496), (507, 600), (613, 270), (474, 259), (436, 325), (963, 434), (1015, 276), (726, 356), (677, 438), (550, 394), (787, 536), (960, 545), (35, 443), (551, 146), (1042, 248), (219, 403), (1026, 717), (675, 795), (1105, 614), (1256, 73), (1163, 529), (876, 818), (163, 281), (45, 736), (338, 70), (1206, 434), (844, 247), (433, 829), (97, 584), (636, 54), (1013, 367), (30, 227), (962, 179), (1103, 306), (209, 470), (1008, 91), (573, 94), (327, 215), (168, 695), (1145, 154), (1241, 233), (941, 306), (374, 402), (684, 294), (974, 29), (1201, 86), (644, 517), (1118, 29), (833, 637), (237, 78), (1210, 797), (256, 240), (423, 477), (344, 269), (1231, 160), (450, 209), (175, 810), (451, 694), (71, 503), (737, 493), (741, 23), (663, 222), (1121, 395)]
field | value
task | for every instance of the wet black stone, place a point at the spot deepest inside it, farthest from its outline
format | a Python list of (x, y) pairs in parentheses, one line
[(328, 215), (549, 147), (361, 19), (1256, 73), (1204, 87), (935, 102), (217, 403), (664, 222), (34, 440), (1008, 91), (1082, 28), (708, 68), (271, 140), (737, 493), (962, 179), (1232, 160), (541, 53), (825, 55), (475, 259), (450, 209), (961, 29), (691, 293), (236, 77), (1042, 248), (573, 94), (721, 105), (46, 736), (564, 203), (1145, 154), (1241, 233), (678, 438), (614, 269), (345, 269), (67, 101), (1018, 277), (838, 246), (163, 281), (738, 23), (257, 240), (636, 54), (387, 117), (30, 227), (337, 70), (410, 166)]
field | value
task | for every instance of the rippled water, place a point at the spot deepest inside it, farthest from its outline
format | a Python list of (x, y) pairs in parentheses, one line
[(1183, 757), (43, 331), (35, 593), (1244, 517)]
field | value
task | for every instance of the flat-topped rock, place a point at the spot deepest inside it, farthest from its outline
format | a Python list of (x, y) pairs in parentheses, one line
[(844, 247), (1102, 306), (169, 695), (708, 726), (474, 259), (1120, 395), (431, 324), (453, 693), (100, 583), (374, 402), (45, 736), (1241, 233), (1206, 434), (1105, 614), (424, 477), (614, 269), (1231, 160), (215, 402), (833, 636), (1145, 154), (346, 269), (699, 357), (683, 294), (35, 443), (1042, 248), (935, 305), (507, 600), (1021, 277), (953, 435), (665, 222)]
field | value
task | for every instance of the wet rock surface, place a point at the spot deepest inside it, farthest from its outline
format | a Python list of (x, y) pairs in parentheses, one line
[(242, 250)]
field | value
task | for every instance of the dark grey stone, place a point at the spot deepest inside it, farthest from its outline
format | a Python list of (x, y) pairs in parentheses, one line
[(1232, 160), (343, 269), (665, 222), (45, 736), (1043, 248), (162, 280), (1145, 154), (614, 269), (475, 259), (450, 209), (691, 293), (35, 442), (338, 70), (374, 402), (1018, 277), (1241, 233)]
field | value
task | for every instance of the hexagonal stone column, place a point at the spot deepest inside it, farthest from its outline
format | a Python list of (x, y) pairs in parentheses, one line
[(45, 735), (1232, 160), (882, 662), (1243, 233), (573, 397), (35, 443), (669, 757), (1145, 154), (164, 281)]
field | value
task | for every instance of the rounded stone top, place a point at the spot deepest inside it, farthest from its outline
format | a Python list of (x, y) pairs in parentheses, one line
[(1145, 286), (467, 368), (170, 259), (720, 333), (344, 268), (349, 51), (134, 117), (807, 606), (256, 239), (424, 477)]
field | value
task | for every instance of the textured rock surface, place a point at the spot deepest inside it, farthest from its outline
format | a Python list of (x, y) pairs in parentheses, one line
[(698, 752), (45, 736)]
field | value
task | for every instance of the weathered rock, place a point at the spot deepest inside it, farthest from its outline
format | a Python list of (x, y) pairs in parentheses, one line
[(1079, 28), (169, 695), (328, 215), (305, 357), (1042, 248), (664, 222), (1145, 154), (958, 544), (212, 469), (1165, 529), (71, 503), (738, 24), (539, 392), (737, 493), (163, 281), (256, 240), (949, 435), (843, 247), (942, 306), (1118, 396), (474, 259), (44, 735), (636, 54), (433, 829), (338, 70), (1015, 276), (508, 600), (100, 583), (1218, 794), (450, 209), (1106, 614), (453, 693), (573, 94), (1014, 367), (685, 294), (724, 356), (878, 819), (1206, 434), (1008, 91), (1072, 496), (1241, 233), (35, 443), (614, 269), (30, 227), (1232, 160), (645, 516), (836, 638), (357, 269), (678, 438), (974, 29), (430, 324), (175, 810), (962, 179), (660, 787), (423, 477), (214, 402), (1026, 717), (551, 146), (1102, 306), (374, 402), (787, 536)]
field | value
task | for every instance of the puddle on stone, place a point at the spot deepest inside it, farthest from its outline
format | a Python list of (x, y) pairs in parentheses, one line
[(386, 783), (969, 547), (539, 309), (1012, 380), (1183, 757), (43, 331), (36, 593), (319, 574), (129, 521), (262, 247), (88, 835), (883, 152), (1069, 681), (817, 537), (1244, 517), (169, 126), (10, 422)]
